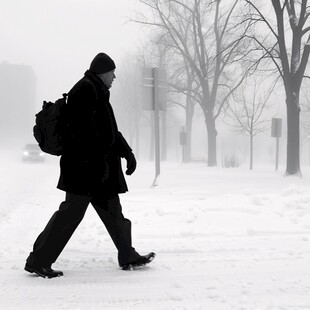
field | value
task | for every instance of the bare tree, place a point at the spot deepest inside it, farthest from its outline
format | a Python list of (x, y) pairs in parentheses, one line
[(247, 114), (153, 54), (305, 120), (161, 53), (182, 84), (203, 33), (290, 61)]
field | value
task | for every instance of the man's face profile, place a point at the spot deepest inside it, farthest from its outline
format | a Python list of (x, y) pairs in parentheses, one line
[(107, 78)]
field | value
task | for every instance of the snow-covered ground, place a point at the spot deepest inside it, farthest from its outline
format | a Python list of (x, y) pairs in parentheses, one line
[(225, 239)]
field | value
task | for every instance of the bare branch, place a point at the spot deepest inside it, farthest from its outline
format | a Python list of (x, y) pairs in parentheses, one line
[(262, 17)]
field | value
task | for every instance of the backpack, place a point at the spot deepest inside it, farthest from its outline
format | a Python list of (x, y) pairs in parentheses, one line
[(50, 126)]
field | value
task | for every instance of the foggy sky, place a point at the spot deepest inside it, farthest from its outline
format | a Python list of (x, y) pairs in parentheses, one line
[(59, 38)]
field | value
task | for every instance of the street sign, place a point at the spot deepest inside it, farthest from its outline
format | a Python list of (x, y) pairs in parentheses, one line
[(148, 89), (154, 88)]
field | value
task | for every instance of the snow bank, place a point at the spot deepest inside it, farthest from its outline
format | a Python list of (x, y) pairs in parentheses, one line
[(224, 238)]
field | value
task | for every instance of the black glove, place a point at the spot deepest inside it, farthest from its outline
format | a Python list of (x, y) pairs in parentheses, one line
[(131, 163)]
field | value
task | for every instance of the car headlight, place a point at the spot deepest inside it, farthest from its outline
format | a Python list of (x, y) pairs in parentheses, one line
[(41, 154), (26, 153)]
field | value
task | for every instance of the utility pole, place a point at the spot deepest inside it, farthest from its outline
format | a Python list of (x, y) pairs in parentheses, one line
[(156, 126), (153, 93)]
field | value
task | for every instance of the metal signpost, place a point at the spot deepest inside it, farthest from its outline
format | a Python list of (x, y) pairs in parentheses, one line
[(153, 100), (276, 131)]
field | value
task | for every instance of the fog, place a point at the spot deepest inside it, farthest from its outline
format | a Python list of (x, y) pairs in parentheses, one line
[(225, 238), (56, 40), (59, 38)]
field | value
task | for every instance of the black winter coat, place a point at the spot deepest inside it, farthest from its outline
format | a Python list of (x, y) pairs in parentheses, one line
[(91, 162)]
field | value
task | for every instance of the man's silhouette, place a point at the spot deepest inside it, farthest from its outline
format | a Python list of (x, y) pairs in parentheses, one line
[(91, 172)]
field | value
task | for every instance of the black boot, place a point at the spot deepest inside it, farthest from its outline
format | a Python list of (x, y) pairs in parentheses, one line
[(141, 261), (43, 271)]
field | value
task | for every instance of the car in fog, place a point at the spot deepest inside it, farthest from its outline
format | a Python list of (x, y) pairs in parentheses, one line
[(32, 152)]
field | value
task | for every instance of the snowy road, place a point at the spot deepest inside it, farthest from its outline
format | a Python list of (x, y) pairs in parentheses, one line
[(225, 239)]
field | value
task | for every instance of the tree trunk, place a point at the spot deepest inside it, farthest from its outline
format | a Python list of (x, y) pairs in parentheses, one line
[(212, 134), (137, 150), (251, 151), (189, 113), (293, 136), (188, 146), (189, 126), (164, 136)]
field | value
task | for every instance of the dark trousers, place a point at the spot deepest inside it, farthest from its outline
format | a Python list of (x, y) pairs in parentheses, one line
[(63, 223)]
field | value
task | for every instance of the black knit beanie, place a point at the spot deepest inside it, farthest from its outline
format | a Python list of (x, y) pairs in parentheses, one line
[(102, 63)]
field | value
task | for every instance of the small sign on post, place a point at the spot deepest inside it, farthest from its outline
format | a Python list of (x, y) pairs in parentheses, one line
[(276, 127), (276, 132), (148, 89)]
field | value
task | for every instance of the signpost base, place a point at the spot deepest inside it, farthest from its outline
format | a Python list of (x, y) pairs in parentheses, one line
[(154, 89), (155, 182)]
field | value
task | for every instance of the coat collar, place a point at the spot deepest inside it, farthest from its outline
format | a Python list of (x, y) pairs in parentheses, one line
[(94, 78)]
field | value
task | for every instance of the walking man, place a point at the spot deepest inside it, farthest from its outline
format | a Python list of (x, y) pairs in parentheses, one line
[(90, 172)]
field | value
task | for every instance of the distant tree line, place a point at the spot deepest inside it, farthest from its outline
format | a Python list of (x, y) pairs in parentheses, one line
[(215, 51)]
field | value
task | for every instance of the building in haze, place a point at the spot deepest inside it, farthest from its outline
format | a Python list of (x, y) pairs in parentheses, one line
[(17, 103)]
